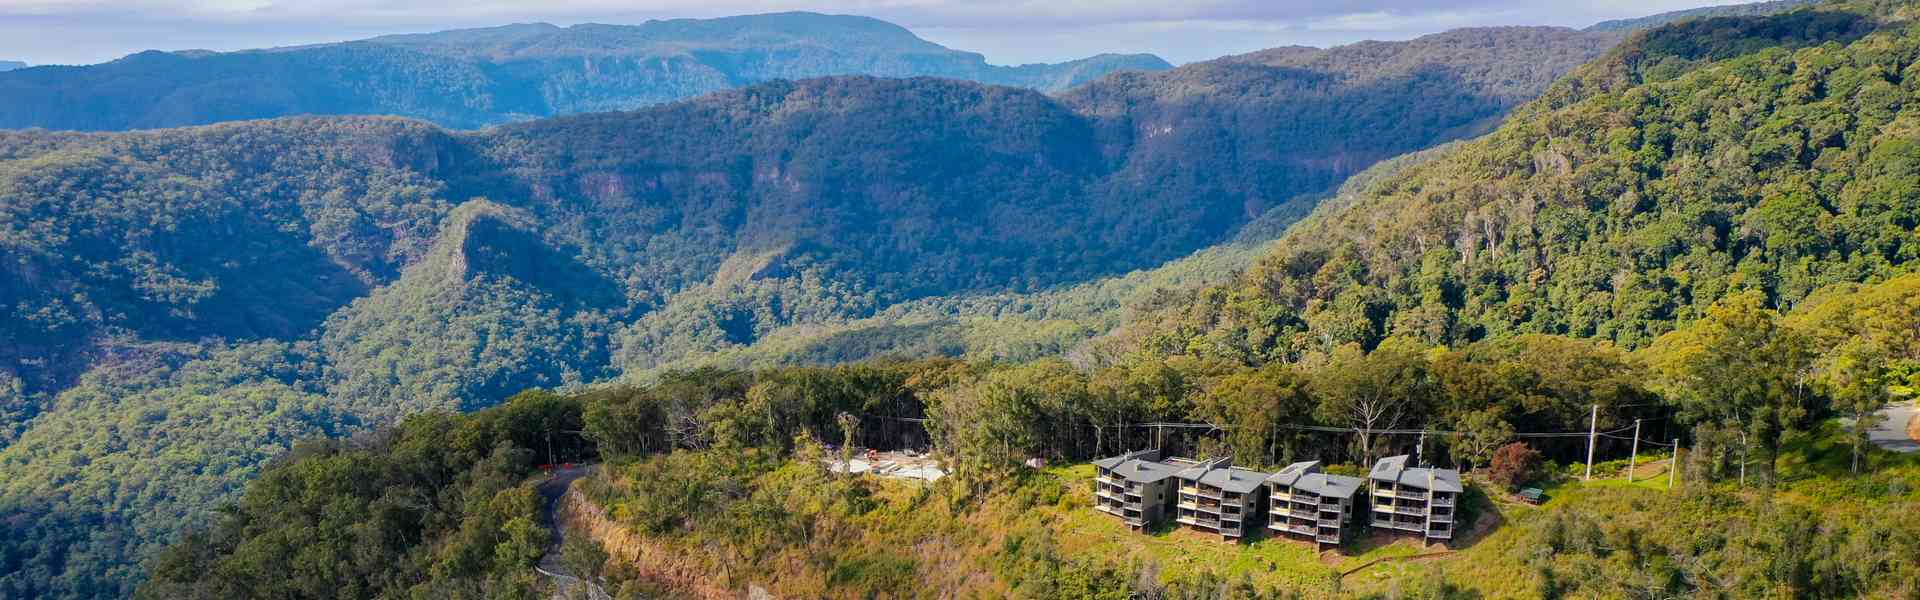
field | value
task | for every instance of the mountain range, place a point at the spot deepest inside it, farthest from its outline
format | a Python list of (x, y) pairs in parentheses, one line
[(185, 304), (478, 77), (344, 271)]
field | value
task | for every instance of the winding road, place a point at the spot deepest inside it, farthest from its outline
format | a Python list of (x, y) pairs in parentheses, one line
[(551, 491), (1891, 433)]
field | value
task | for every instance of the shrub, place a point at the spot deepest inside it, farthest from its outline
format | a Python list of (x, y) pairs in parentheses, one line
[(1514, 464)]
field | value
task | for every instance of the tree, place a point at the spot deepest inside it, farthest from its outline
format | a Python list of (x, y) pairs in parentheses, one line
[(849, 424), (1514, 464), (1373, 391), (1741, 370), (583, 557), (1857, 380), (1483, 432), (1254, 405)]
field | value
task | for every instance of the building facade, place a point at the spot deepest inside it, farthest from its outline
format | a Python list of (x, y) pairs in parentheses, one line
[(1217, 497), (1307, 504), (1415, 500), (1136, 487)]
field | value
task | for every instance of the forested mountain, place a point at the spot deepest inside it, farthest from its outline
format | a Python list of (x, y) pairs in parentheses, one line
[(1750, 9), (1712, 230), (9, 65), (227, 278), (477, 77), (1700, 161)]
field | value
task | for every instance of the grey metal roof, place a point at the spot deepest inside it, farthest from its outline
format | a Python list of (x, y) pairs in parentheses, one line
[(1329, 486), (1144, 471), (1217, 473), (1389, 468), (1306, 477), (1289, 474), (1111, 462), (1394, 469)]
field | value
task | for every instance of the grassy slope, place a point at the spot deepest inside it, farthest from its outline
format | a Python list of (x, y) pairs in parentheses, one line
[(915, 540)]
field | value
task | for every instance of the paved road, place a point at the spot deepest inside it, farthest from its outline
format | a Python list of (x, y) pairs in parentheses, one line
[(550, 565), (1892, 431)]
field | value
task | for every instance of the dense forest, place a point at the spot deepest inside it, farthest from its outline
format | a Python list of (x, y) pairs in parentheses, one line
[(1707, 160), (478, 77), (266, 281)]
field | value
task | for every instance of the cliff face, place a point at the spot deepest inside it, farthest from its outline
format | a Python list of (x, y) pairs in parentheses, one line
[(653, 562)]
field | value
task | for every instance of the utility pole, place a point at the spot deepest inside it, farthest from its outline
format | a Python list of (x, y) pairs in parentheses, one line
[(1635, 461), (1673, 464), (1593, 435), (1743, 459), (1420, 452)]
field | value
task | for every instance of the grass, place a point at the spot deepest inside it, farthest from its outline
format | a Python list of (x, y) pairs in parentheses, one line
[(1177, 552), (912, 541)]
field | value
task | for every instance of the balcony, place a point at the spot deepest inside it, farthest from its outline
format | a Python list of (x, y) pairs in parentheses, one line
[(1327, 539), (1282, 497), (1213, 493), (1213, 524), (1108, 495), (1443, 500), (1441, 518), (1410, 510), (1334, 523)]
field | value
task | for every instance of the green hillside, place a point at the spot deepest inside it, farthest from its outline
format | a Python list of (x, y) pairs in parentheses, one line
[(391, 267), (1697, 162)]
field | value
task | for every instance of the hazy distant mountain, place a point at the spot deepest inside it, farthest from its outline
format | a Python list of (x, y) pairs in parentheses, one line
[(477, 77), (9, 65), (1730, 10)]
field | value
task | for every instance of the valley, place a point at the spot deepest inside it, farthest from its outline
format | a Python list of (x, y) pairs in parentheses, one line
[(323, 351)]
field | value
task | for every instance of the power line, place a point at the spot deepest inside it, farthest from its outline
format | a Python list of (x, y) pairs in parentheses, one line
[(1326, 429)]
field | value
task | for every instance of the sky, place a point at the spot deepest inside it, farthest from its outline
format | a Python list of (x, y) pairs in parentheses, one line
[(1006, 31)]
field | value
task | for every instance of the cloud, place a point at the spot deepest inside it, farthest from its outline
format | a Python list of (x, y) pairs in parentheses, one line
[(1006, 30)]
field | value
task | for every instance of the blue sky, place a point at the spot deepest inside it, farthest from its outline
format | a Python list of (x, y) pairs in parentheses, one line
[(1007, 32)]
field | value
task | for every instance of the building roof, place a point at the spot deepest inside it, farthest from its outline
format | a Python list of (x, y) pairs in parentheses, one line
[(1289, 474), (1140, 466), (1394, 469), (1144, 471), (1329, 485), (1219, 473), (1306, 477), (1109, 463)]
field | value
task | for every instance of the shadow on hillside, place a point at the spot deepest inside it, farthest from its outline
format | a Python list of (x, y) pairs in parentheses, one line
[(1731, 37)]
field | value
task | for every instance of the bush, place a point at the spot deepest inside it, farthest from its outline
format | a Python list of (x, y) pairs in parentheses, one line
[(1514, 464)]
